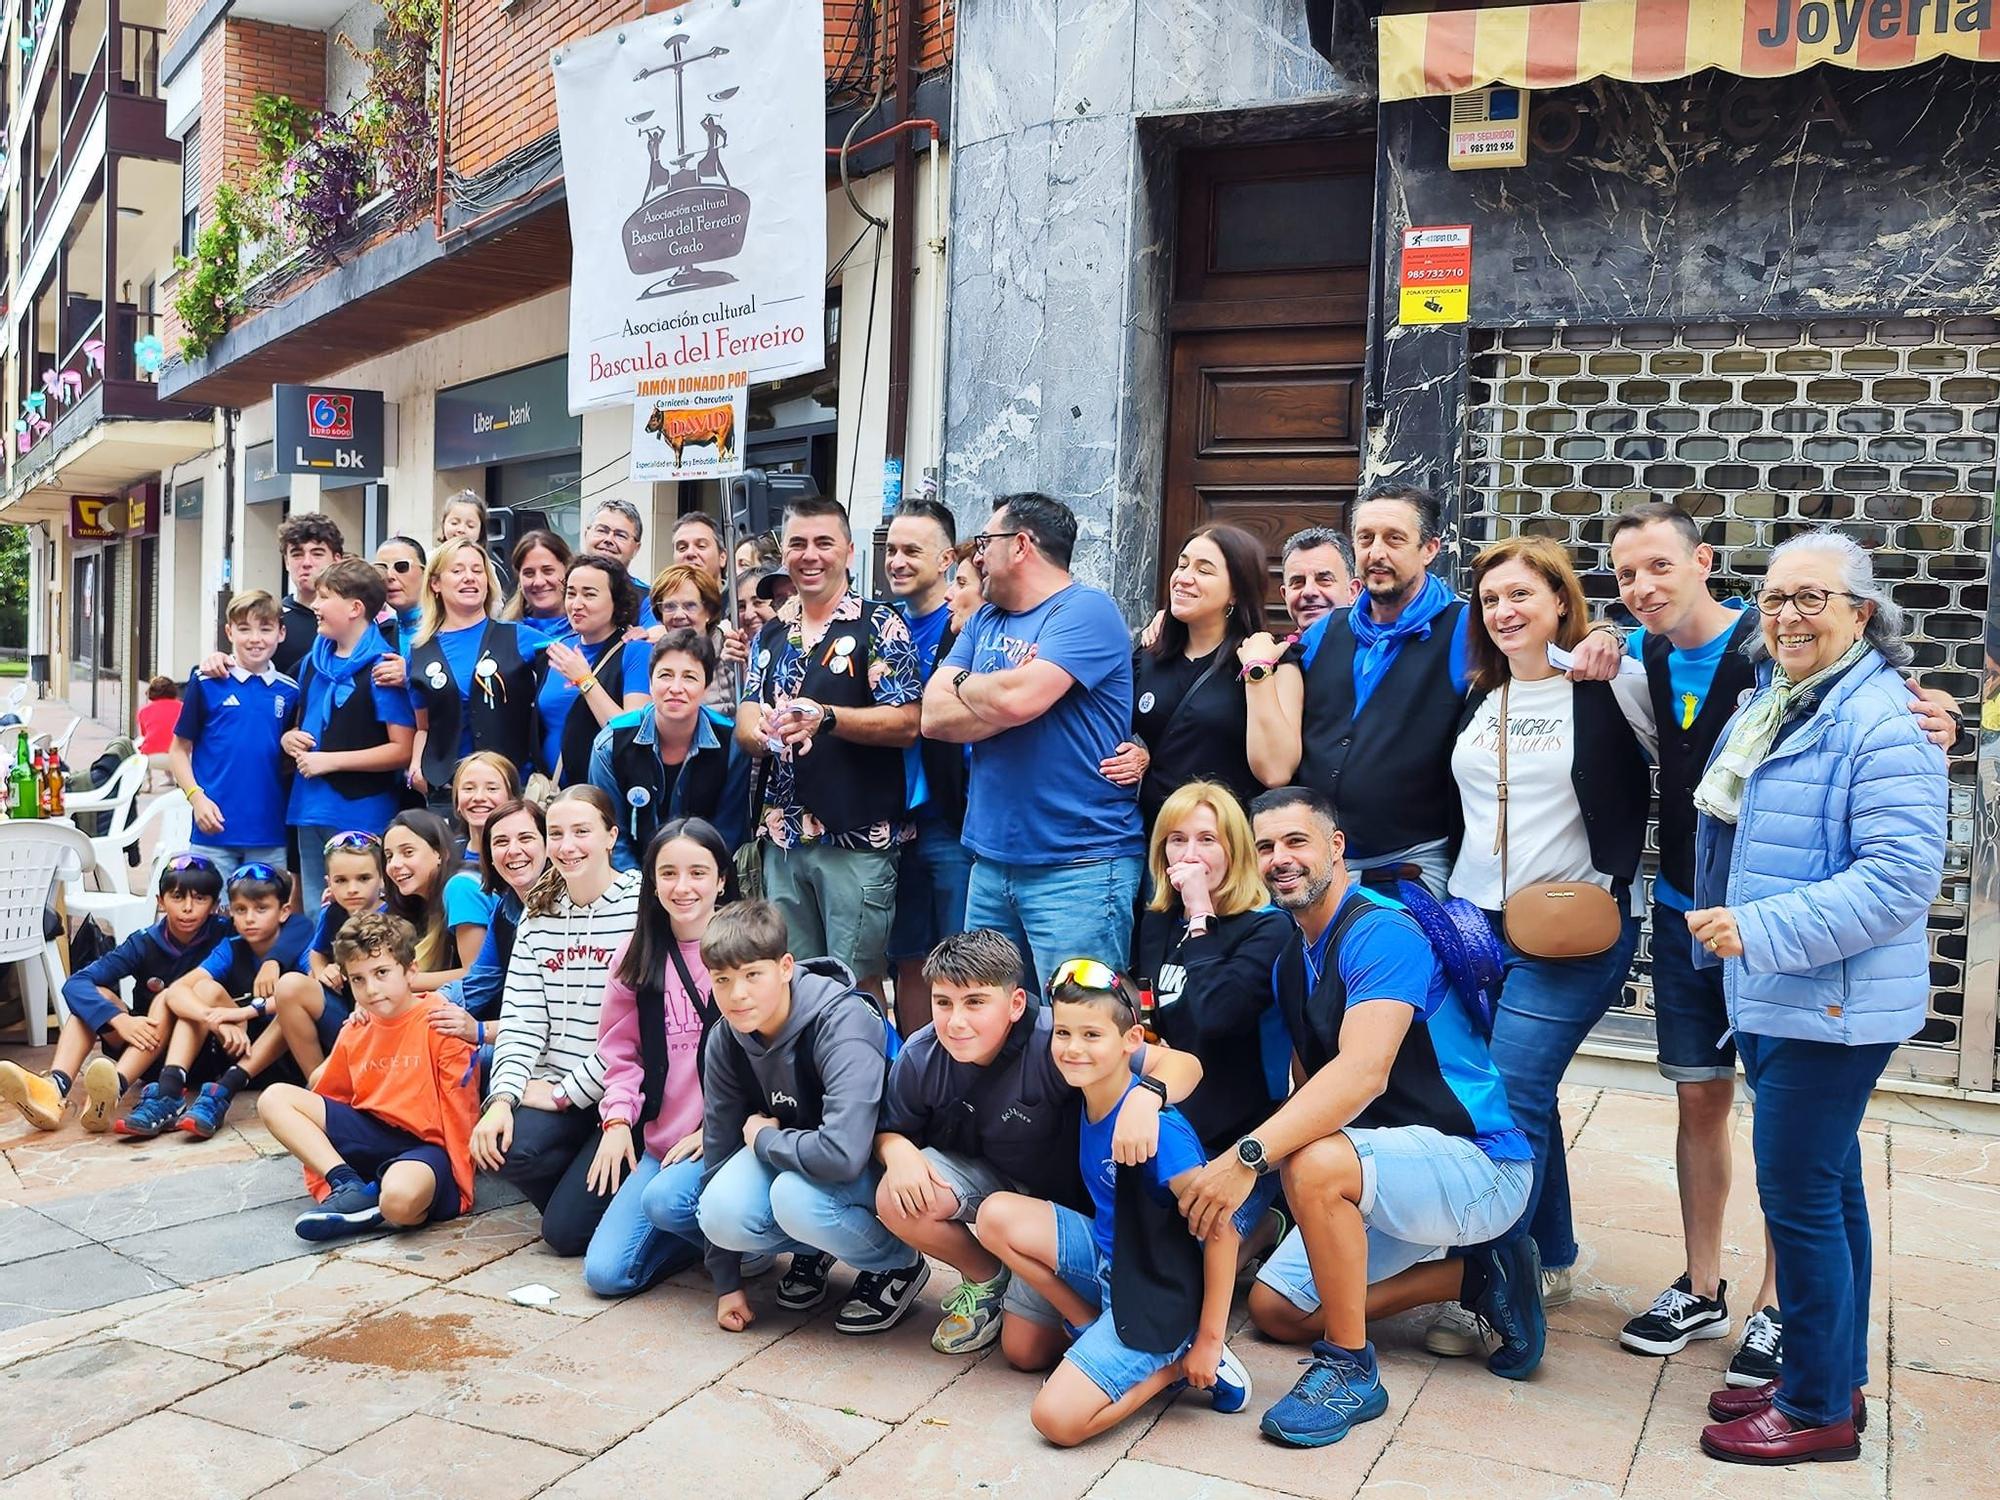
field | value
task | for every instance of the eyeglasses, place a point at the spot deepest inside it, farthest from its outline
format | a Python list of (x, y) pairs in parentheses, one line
[(1807, 602), (255, 871), (352, 842), (610, 534), (1089, 974), (980, 542)]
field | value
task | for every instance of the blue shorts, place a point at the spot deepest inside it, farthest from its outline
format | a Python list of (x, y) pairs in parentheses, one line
[(1422, 1193), (333, 1013), (1113, 1366), (371, 1148), (1690, 1014)]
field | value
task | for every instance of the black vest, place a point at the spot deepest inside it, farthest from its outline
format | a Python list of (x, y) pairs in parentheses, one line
[(353, 725), (1614, 787), (1684, 753), (580, 729), (694, 791), (1388, 772), (944, 766), (846, 786), (502, 706), (1416, 1093)]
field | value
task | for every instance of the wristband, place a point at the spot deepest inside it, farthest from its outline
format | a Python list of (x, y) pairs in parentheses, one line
[(1152, 1086), (585, 684), (479, 1033), (604, 1125)]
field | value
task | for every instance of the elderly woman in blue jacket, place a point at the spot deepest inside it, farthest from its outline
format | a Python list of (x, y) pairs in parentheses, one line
[(1820, 848)]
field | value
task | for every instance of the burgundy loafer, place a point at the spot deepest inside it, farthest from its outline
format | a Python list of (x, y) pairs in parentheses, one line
[(1771, 1437), (1731, 1402)]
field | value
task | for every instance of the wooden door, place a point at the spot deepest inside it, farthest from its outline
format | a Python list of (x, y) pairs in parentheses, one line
[(1268, 339)]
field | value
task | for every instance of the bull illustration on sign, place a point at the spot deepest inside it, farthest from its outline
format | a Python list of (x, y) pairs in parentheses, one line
[(703, 427), (690, 214)]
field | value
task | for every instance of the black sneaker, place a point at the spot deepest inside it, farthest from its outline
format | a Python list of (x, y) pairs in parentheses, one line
[(880, 1299), (1761, 1355), (803, 1286), (1505, 1289), (1676, 1318)]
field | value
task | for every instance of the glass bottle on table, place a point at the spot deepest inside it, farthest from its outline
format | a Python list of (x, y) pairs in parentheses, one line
[(22, 787)]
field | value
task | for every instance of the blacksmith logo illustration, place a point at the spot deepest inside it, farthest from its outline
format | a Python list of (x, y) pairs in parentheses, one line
[(689, 215)]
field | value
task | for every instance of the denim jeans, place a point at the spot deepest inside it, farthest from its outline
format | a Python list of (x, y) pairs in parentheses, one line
[(931, 878), (1057, 912), (1546, 1009), (753, 1209), (648, 1231), (549, 1161), (1805, 1134), (312, 865)]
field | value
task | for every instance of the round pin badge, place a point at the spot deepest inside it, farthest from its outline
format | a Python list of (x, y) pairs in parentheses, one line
[(434, 674), (638, 796), (1145, 703), (486, 668)]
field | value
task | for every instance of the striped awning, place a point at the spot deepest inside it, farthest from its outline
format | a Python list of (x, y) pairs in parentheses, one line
[(1648, 41)]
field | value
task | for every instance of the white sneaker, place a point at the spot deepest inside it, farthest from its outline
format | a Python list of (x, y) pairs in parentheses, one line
[(1455, 1334), (1558, 1285)]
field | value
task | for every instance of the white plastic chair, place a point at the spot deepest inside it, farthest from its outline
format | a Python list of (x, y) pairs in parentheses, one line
[(61, 741), (32, 854), (119, 797), (128, 912)]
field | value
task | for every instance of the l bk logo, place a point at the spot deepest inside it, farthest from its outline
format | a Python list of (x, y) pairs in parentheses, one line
[(329, 416)]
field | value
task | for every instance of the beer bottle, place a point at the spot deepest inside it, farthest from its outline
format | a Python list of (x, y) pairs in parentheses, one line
[(1148, 1012), (21, 783), (55, 784)]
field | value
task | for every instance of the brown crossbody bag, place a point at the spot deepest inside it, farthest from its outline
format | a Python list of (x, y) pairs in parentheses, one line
[(1553, 918)]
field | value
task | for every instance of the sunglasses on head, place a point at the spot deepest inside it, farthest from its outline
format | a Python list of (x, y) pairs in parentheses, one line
[(1089, 974), (352, 842), (181, 863), (255, 871)]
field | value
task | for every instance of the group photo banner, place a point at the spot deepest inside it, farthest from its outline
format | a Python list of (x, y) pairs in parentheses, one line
[(694, 160)]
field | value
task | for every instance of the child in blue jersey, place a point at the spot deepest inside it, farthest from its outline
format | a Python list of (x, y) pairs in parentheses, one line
[(132, 1038), (1150, 1302), (226, 754), (311, 1002), (217, 1036)]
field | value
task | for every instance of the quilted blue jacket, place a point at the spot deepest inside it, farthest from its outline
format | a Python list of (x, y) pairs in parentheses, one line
[(1836, 858)]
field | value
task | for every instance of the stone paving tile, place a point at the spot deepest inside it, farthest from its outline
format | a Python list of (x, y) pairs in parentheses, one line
[(208, 1248), (1945, 1443), (10, 1181), (175, 1453), (1947, 1317), (88, 1276), (1669, 1461), (1413, 1471), (1189, 1435), (166, 1200), (60, 1400), (443, 1252), (1630, 1124), (247, 1319), (67, 1165), (741, 1444), (25, 1234), (422, 1458), (1640, 1192), (1585, 1408), (596, 1383), (1945, 1219), (30, 1339), (534, 1264), (1130, 1479), (1946, 1153)]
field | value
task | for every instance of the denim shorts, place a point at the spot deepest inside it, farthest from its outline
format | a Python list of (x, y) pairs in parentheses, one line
[(372, 1147), (1422, 1193), (1690, 1014), (971, 1180), (1112, 1365)]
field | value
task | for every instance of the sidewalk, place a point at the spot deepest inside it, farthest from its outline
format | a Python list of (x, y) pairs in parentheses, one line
[(161, 1326)]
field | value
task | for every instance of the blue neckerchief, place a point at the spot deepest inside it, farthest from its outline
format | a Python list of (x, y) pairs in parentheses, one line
[(1376, 644), (341, 671)]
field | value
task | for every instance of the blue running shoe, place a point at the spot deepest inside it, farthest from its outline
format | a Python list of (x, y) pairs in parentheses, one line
[(156, 1111), (203, 1118), (1510, 1303), (1335, 1393), (354, 1209)]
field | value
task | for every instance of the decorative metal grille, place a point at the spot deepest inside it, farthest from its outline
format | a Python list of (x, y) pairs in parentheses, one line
[(1885, 428)]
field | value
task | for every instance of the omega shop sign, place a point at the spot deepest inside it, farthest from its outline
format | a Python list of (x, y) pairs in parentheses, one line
[(328, 431)]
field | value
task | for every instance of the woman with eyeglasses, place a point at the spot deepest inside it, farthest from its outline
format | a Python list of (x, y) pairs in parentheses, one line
[(539, 1129), (400, 561), (685, 597), (513, 853), (541, 563), (596, 671), (1818, 854), (473, 679)]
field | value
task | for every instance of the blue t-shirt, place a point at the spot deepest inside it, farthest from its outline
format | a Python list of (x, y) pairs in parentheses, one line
[(461, 655), (1036, 795), (1180, 1151), (234, 723), (332, 917), (553, 627), (466, 903), (233, 965), (1690, 674), (647, 619), (927, 633), (559, 694), (315, 804)]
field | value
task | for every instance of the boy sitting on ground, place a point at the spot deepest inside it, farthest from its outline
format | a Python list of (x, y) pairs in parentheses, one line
[(1151, 1301), (975, 1106), (215, 1042), (132, 1039), (791, 1087), (385, 1134)]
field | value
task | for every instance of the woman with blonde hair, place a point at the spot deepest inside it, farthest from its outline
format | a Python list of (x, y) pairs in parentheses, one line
[(1205, 946)]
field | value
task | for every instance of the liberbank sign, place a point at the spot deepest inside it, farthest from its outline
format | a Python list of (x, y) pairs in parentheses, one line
[(329, 431)]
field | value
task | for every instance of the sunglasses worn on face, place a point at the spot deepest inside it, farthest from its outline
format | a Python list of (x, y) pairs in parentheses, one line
[(396, 564)]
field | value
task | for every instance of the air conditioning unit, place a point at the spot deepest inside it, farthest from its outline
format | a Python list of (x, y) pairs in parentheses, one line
[(1489, 128)]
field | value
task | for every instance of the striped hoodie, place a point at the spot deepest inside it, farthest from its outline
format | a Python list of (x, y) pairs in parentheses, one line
[(555, 992)]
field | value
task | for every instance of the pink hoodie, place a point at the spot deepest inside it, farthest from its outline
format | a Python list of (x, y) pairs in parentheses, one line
[(624, 1072)]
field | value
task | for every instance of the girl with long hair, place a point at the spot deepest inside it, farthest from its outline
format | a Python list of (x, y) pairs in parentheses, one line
[(420, 856), (483, 781), (593, 665), (513, 853)]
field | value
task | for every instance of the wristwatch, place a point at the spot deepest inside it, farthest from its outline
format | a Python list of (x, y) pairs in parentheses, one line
[(1257, 671), (1152, 1086), (827, 719), (1250, 1152)]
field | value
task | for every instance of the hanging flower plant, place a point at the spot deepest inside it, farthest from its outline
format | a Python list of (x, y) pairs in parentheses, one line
[(399, 123), (322, 185)]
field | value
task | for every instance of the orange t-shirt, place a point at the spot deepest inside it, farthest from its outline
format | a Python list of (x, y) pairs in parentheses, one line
[(410, 1076)]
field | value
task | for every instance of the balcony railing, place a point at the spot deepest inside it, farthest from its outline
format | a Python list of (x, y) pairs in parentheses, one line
[(137, 76), (97, 376), (139, 49)]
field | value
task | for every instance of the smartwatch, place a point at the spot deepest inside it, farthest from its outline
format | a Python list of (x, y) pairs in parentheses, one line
[(958, 681), (1250, 1152), (827, 719), (1152, 1086)]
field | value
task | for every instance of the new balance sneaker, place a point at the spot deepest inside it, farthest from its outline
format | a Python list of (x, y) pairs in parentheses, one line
[(353, 1209), (1504, 1285), (102, 1088), (804, 1284), (880, 1298), (971, 1318), (1558, 1285), (1678, 1317), (1455, 1334), (204, 1117), (34, 1094), (1231, 1391), (1761, 1355), (1337, 1391), (157, 1110)]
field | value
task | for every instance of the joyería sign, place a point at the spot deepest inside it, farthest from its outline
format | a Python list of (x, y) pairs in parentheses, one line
[(694, 162)]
